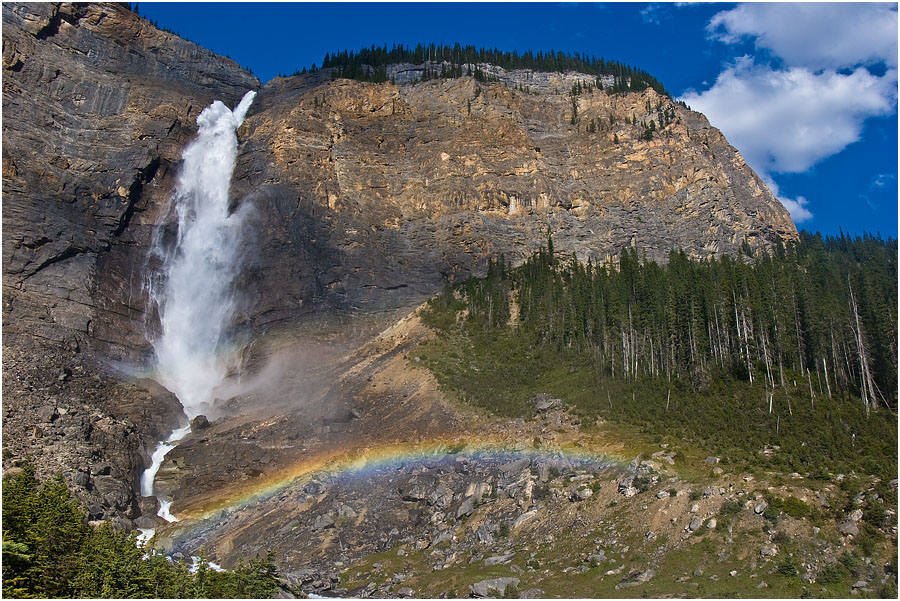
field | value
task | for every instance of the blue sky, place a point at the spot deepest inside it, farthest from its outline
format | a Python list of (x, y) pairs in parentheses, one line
[(807, 92)]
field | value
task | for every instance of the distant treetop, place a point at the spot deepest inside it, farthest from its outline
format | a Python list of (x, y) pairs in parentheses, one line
[(369, 64)]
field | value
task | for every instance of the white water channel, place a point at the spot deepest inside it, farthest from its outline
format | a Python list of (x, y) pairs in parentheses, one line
[(193, 290)]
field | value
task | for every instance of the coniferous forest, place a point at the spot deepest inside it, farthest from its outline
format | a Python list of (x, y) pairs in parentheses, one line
[(785, 360), (50, 551), (368, 64)]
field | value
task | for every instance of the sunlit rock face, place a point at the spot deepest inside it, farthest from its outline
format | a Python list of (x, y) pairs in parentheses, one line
[(371, 194)]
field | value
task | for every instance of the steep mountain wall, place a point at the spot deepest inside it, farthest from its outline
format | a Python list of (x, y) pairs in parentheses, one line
[(366, 196), (369, 195), (97, 105)]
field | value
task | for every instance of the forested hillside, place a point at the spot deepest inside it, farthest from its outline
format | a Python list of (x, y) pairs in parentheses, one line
[(786, 359)]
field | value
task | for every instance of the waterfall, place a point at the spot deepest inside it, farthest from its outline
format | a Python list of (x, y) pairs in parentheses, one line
[(193, 291)]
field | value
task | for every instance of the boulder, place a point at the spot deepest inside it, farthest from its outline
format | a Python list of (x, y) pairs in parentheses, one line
[(524, 518), (514, 467), (544, 402), (323, 522), (466, 507), (499, 559), (47, 414), (760, 507), (493, 587), (695, 524), (848, 528), (199, 423)]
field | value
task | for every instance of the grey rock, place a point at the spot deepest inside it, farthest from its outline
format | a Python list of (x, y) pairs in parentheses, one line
[(532, 593), (417, 488), (582, 494), (769, 551), (712, 460), (199, 423), (314, 488), (405, 592), (524, 518), (114, 492), (100, 469), (466, 507), (499, 559), (145, 522), (762, 585), (695, 508), (860, 584), (662, 494), (712, 523), (441, 497), (322, 522), (484, 534), (695, 524), (47, 414), (514, 467), (492, 587), (544, 402), (760, 507), (848, 528), (81, 479)]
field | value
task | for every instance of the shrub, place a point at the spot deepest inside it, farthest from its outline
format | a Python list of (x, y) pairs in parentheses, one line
[(788, 567), (730, 508), (832, 574), (795, 508)]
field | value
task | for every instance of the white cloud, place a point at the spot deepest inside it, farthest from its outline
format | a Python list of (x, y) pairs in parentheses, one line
[(813, 35), (882, 180), (786, 121), (795, 206)]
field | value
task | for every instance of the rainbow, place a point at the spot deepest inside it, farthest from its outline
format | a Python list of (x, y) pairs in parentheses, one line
[(369, 461)]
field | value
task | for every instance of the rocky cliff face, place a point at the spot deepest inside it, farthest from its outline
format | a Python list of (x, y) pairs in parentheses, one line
[(98, 105), (369, 195)]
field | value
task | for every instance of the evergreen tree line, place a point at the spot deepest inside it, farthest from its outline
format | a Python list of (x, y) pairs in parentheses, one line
[(793, 350), (823, 308), (368, 64), (50, 551)]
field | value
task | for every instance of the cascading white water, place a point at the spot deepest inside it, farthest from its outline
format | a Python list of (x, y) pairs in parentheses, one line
[(193, 289)]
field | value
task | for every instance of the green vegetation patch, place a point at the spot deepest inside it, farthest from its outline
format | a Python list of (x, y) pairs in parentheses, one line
[(758, 360), (49, 551)]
